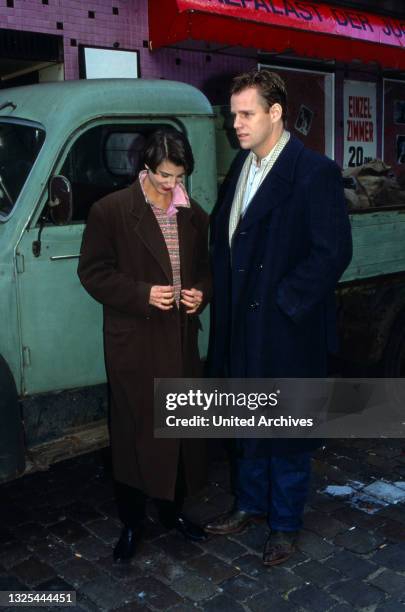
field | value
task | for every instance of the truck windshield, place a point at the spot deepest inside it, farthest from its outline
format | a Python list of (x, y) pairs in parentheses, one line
[(20, 144)]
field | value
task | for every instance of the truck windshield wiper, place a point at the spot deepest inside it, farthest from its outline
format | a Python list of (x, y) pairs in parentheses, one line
[(13, 106)]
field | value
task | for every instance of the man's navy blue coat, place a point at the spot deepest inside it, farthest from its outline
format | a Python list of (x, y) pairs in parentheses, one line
[(273, 311)]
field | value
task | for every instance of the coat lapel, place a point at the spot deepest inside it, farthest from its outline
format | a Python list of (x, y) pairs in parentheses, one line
[(148, 230), (276, 187)]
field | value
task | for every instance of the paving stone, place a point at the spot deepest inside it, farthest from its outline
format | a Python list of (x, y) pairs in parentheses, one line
[(311, 598), (392, 530), (177, 547), (354, 517), (390, 605), (119, 571), (224, 547), (78, 571), (13, 553), (395, 513), (391, 556), (296, 558), (51, 551), (55, 584), (30, 531), (351, 565), (92, 548), (152, 530), (390, 582), (280, 579), (313, 545), (105, 592), (32, 571), (108, 508), (84, 603), (46, 515), (358, 594), (132, 607), (213, 568), (358, 541), (323, 525), (254, 537), (151, 592), (105, 529), (241, 587), (194, 587), (317, 573), (11, 583), (326, 504), (222, 603), (269, 601), (82, 513), (250, 564), (69, 531), (184, 607)]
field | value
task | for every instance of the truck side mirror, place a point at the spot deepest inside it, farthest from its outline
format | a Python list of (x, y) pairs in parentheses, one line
[(60, 200)]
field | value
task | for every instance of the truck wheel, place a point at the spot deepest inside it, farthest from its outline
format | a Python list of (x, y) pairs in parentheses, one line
[(12, 462)]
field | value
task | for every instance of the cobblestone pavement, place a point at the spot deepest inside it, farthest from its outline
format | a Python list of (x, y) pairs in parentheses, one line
[(58, 527)]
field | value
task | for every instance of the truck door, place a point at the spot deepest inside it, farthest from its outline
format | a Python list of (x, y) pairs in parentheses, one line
[(61, 325)]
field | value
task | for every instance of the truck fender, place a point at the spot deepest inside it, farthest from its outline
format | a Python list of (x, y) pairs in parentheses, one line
[(12, 456)]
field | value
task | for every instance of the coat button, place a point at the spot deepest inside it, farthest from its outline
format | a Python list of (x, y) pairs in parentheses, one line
[(243, 233), (254, 305), (241, 270), (261, 267)]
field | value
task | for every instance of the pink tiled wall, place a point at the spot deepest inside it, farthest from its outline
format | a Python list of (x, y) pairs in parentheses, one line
[(129, 28)]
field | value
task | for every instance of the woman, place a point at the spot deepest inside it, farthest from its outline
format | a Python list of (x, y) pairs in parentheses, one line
[(144, 257)]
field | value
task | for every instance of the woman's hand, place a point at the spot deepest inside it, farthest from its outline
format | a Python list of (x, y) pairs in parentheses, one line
[(162, 296), (191, 298)]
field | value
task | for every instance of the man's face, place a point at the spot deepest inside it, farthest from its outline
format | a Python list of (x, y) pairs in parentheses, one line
[(254, 125)]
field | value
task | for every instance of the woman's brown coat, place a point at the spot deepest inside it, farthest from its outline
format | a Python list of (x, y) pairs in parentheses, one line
[(123, 255)]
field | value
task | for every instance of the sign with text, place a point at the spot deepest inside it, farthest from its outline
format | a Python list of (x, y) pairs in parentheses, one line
[(360, 123), (310, 29)]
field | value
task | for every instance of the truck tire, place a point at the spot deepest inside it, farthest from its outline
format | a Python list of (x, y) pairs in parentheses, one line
[(12, 461)]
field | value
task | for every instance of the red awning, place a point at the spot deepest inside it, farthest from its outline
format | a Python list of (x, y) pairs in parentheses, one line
[(311, 30)]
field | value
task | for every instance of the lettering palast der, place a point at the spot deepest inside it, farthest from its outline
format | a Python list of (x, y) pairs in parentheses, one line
[(304, 11)]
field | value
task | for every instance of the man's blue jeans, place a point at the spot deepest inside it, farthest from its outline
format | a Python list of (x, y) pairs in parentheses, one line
[(276, 486)]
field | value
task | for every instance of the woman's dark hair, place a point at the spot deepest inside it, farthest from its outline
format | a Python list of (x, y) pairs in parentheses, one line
[(170, 144)]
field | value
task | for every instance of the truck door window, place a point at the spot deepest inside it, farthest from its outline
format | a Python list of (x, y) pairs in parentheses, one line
[(102, 160), (20, 144)]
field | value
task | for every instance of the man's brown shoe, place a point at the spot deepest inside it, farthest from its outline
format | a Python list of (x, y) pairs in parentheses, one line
[(234, 521), (279, 547)]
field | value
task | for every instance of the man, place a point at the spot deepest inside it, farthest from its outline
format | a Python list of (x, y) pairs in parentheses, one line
[(281, 240)]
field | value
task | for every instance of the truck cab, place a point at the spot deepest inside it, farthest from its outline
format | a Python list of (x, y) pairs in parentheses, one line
[(62, 147)]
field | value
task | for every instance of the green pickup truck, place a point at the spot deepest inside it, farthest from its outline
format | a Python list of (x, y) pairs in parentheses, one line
[(62, 147)]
